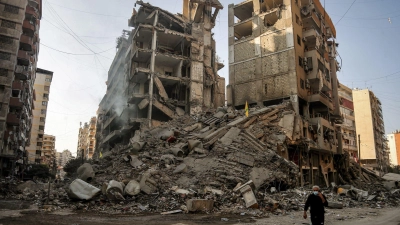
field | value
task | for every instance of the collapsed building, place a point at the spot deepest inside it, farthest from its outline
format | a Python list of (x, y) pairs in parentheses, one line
[(166, 65), (286, 49)]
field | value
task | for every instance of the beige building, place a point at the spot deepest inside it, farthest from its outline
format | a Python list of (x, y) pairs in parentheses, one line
[(42, 92), (49, 151), (19, 49), (166, 66), (87, 139), (63, 157), (348, 127), (370, 127), (285, 50)]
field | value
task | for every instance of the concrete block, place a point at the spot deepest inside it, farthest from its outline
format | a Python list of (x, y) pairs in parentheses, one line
[(147, 185), (134, 161), (180, 169), (259, 176), (194, 205), (132, 188), (194, 144), (248, 196), (179, 111), (85, 172), (143, 104), (242, 158), (230, 136), (79, 189)]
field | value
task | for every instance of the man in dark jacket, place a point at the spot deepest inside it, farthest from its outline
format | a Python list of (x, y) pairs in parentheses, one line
[(316, 201)]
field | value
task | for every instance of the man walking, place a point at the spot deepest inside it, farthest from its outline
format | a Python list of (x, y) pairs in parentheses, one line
[(316, 201)]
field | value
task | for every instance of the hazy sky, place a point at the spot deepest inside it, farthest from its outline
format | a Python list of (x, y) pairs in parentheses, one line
[(368, 36)]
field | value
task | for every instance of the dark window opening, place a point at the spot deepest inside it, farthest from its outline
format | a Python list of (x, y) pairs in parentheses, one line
[(11, 9), (298, 40), (300, 61), (302, 84), (3, 72), (8, 24), (5, 56)]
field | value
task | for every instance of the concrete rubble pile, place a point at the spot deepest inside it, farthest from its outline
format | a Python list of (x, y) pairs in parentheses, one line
[(216, 160)]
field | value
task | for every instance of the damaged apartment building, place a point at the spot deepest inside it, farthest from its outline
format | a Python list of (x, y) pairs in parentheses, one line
[(19, 49), (167, 65), (286, 50)]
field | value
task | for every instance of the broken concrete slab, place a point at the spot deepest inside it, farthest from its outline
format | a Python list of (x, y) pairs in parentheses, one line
[(79, 189), (219, 114), (194, 143), (259, 176), (30, 185), (148, 185), (195, 205), (85, 172), (231, 135), (242, 158), (392, 176), (179, 111), (180, 169), (143, 104), (134, 161), (137, 146)]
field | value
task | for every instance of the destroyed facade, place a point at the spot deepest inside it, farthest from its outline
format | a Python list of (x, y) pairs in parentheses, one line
[(19, 49), (286, 49), (87, 139), (166, 65), (374, 151), (348, 127), (42, 96), (394, 147)]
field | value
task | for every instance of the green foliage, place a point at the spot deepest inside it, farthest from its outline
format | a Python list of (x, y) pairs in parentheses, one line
[(73, 164), (40, 171)]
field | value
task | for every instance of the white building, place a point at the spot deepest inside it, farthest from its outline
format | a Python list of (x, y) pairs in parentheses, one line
[(392, 147)]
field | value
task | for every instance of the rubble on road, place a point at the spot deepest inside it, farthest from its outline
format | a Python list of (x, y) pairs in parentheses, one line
[(216, 161)]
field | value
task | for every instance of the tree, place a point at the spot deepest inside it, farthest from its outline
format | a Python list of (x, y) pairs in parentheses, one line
[(38, 170), (73, 164)]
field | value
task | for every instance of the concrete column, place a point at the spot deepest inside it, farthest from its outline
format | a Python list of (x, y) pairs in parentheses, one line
[(152, 64)]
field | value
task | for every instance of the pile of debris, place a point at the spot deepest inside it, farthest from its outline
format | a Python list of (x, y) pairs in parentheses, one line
[(195, 163), (218, 161)]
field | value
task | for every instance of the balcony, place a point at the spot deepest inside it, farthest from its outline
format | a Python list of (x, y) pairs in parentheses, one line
[(39, 139), (32, 12), (13, 119), (22, 72), (16, 102), (311, 20), (28, 28), (319, 98), (17, 85), (23, 58), (26, 43), (41, 132)]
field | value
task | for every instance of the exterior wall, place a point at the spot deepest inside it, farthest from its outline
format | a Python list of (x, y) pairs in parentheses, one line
[(397, 152), (87, 139), (364, 125), (42, 92), (393, 149), (369, 124)]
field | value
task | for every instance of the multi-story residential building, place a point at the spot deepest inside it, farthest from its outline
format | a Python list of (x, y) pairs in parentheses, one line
[(87, 139), (167, 65), (19, 38), (49, 151), (63, 157), (370, 127), (394, 147), (286, 50), (348, 127), (42, 93)]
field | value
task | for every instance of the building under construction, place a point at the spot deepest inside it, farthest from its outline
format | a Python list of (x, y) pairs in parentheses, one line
[(166, 65), (286, 50)]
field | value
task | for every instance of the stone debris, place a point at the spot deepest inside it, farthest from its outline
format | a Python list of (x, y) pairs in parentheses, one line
[(229, 165)]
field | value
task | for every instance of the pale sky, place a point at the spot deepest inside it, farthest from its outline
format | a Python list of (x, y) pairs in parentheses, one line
[(368, 36)]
